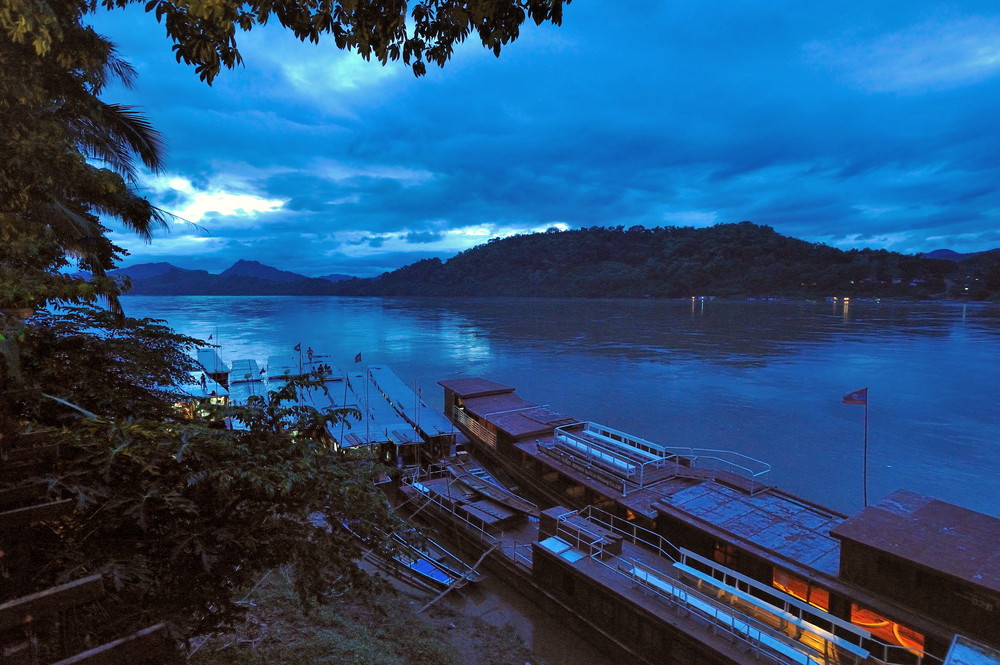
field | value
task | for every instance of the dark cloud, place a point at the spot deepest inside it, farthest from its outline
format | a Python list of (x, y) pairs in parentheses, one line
[(422, 237)]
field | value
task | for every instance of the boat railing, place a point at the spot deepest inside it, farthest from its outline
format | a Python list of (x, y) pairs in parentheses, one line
[(477, 429), (806, 645), (636, 534), (636, 462), (579, 536), (892, 654), (756, 472), (508, 545), (478, 527)]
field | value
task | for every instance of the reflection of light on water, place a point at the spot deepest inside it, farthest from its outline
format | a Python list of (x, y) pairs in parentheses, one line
[(467, 345)]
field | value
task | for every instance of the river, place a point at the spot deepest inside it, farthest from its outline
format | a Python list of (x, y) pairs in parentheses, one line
[(764, 378)]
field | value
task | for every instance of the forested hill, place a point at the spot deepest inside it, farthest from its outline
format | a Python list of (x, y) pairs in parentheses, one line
[(742, 259)]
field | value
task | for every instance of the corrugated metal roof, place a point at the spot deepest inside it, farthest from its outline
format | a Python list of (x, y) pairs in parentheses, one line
[(490, 405), (514, 415), (770, 520), (210, 360), (408, 404), (934, 534), (531, 422)]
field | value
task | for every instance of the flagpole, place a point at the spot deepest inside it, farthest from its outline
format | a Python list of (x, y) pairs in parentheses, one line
[(866, 453), (861, 397)]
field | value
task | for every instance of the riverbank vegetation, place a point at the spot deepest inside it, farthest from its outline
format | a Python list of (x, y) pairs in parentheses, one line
[(389, 631), (178, 514)]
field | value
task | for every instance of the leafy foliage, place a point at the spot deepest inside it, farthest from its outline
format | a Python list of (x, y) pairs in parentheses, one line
[(727, 260), (204, 32), (180, 516), (118, 367)]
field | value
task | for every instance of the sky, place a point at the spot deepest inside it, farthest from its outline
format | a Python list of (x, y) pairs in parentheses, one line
[(854, 124)]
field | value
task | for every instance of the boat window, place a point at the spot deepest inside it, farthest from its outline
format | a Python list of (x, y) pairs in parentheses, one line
[(887, 630), (725, 553), (801, 588)]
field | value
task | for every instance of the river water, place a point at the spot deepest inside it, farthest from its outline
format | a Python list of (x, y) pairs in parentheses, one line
[(762, 378)]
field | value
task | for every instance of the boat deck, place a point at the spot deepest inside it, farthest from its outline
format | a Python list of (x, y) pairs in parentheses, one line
[(644, 578), (653, 584), (640, 501)]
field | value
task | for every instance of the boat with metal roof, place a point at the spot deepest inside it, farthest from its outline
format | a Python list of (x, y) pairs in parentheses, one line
[(788, 579)]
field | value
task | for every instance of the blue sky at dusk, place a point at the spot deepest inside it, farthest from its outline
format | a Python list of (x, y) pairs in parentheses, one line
[(853, 124)]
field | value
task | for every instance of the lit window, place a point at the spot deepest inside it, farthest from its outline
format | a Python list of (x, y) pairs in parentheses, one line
[(802, 589), (887, 630)]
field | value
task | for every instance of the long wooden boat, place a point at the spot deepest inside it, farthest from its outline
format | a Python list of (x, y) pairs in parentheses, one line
[(676, 555)]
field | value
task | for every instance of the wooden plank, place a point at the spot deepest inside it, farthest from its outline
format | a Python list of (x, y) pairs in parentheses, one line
[(50, 451), (12, 472), (49, 601), (20, 517), (149, 645), (18, 496)]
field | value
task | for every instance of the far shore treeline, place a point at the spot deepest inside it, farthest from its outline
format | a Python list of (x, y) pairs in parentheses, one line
[(734, 260)]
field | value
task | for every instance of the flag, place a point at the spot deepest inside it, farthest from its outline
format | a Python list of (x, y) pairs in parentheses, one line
[(210, 338), (261, 371), (297, 348), (857, 397), (357, 358)]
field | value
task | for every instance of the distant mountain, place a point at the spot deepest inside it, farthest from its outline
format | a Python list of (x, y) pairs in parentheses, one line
[(202, 283), (946, 255), (335, 277), (734, 260), (144, 270), (737, 260), (260, 271), (243, 278)]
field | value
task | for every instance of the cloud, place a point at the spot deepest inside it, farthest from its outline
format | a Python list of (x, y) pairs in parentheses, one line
[(215, 203), (931, 56), (423, 237), (845, 123)]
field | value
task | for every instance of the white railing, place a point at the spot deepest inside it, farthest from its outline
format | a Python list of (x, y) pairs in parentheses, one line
[(633, 459), (764, 641), (635, 533), (476, 428)]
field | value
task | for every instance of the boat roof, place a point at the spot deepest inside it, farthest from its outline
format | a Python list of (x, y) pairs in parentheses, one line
[(407, 403), (516, 416), (245, 369), (379, 419), (474, 387), (200, 384), (933, 534), (210, 360), (771, 520)]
